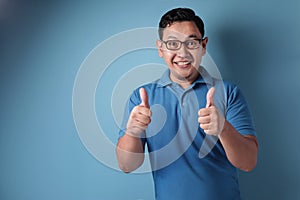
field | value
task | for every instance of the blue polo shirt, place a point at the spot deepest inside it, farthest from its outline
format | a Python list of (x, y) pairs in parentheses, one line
[(175, 140)]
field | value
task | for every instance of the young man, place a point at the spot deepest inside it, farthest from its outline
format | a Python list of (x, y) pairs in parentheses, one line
[(191, 109)]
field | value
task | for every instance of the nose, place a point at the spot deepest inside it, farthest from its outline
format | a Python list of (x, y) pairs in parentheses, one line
[(182, 52)]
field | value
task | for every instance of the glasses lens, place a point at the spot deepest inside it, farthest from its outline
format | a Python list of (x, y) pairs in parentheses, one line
[(192, 44), (176, 44), (173, 44)]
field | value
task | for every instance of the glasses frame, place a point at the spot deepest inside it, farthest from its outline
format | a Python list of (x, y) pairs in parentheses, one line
[(184, 42)]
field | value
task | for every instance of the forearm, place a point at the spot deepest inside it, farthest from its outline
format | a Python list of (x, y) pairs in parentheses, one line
[(130, 153), (240, 150)]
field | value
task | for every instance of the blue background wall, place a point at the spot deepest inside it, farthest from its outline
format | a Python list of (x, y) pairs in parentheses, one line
[(256, 44)]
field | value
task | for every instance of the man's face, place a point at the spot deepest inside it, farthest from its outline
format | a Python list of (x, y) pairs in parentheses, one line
[(184, 62)]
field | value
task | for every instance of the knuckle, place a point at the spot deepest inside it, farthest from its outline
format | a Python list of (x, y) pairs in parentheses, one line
[(133, 116), (149, 120), (199, 112), (202, 126), (135, 109)]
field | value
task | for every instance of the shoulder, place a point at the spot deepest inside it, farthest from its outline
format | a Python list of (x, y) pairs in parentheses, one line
[(229, 92), (215, 80), (228, 87), (149, 87), (233, 94)]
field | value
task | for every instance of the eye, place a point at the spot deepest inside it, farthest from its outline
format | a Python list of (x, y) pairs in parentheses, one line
[(173, 44), (191, 43)]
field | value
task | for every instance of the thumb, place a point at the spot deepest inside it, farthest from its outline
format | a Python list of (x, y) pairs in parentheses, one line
[(144, 98), (210, 97)]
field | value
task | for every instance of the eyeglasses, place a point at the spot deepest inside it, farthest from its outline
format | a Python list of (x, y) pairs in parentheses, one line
[(176, 44)]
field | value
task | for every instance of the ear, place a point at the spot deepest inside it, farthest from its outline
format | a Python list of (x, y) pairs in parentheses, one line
[(159, 48), (204, 43)]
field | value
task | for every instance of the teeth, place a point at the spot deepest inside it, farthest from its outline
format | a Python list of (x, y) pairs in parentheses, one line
[(183, 63)]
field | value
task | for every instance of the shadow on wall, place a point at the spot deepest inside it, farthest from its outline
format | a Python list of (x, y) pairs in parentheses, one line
[(249, 61), (242, 51)]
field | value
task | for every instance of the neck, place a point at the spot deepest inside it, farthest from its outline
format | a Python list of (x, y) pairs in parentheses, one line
[(184, 82)]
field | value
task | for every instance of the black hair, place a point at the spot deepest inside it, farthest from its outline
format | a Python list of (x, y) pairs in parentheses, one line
[(180, 15)]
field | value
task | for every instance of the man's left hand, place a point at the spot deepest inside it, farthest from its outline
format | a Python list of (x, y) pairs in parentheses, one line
[(210, 119)]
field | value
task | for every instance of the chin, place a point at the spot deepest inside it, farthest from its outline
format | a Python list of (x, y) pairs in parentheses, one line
[(184, 76)]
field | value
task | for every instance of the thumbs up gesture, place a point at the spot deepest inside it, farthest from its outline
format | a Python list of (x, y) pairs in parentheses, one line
[(210, 119), (140, 116), (144, 98)]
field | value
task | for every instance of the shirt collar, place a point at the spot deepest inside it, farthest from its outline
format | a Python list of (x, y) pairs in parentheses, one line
[(204, 78), (165, 79)]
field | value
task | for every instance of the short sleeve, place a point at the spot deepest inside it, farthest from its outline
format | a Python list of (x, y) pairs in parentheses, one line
[(238, 113)]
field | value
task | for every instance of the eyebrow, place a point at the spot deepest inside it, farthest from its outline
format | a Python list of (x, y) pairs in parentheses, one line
[(190, 36), (172, 37), (193, 36)]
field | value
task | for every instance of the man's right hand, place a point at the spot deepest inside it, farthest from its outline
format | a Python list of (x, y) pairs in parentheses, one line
[(140, 116)]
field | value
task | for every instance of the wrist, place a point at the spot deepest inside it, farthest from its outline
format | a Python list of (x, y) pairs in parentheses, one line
[(225, 130), (135, 133)]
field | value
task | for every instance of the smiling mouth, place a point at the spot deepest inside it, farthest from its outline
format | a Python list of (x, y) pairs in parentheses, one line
[(183, 63)]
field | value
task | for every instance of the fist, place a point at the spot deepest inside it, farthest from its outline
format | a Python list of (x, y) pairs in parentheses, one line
[(140, 116), (210, 119)]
